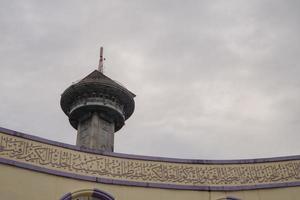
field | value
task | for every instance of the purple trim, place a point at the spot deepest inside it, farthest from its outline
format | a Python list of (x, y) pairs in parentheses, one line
[(96, 193), (67, 196), (102, 195), (148, 158), (47, 171), (232, 198), (145, 184)]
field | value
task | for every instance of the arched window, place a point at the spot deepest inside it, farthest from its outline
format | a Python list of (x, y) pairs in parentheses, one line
[(88, 194), (229, 198)]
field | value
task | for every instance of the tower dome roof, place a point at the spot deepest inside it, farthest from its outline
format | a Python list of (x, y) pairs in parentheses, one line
[(97, 83)]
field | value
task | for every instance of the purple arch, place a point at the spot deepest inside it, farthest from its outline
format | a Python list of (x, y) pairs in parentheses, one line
[(92, 193)]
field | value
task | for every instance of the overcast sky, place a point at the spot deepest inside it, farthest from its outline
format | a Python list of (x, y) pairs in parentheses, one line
[(213, 79)]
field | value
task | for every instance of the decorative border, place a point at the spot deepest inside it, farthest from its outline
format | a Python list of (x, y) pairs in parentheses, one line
[(146, 158)]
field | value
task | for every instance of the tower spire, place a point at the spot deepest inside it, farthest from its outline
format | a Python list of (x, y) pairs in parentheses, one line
[(100, 66)]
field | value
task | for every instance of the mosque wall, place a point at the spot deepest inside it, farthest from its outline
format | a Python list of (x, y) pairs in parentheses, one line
[(35, 168)]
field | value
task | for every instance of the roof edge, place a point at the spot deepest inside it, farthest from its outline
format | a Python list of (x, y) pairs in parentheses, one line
[(148, 158)]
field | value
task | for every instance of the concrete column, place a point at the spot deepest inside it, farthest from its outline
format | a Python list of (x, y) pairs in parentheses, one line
[(95, 133)]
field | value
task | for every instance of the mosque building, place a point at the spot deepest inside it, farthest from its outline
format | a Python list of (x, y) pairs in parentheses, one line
[(33, 168)]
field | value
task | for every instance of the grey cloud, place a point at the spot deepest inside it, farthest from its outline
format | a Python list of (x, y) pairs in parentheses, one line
[(213, 79)]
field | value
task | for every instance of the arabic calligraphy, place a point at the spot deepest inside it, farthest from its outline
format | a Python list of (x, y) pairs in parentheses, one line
[(88, 164)]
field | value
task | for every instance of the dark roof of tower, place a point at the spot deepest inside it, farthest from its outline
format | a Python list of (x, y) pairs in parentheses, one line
[(97, 76), (98, 82)]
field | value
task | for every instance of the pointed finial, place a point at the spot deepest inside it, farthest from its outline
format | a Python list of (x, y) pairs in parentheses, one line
[(100, 66)]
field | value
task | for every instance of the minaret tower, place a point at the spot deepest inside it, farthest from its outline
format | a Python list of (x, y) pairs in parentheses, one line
[(97, 107)]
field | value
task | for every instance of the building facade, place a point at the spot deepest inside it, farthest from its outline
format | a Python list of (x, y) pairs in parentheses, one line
[(33, 168)]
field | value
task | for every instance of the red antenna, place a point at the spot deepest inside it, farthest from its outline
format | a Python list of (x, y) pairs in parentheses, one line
[(100, 66)]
